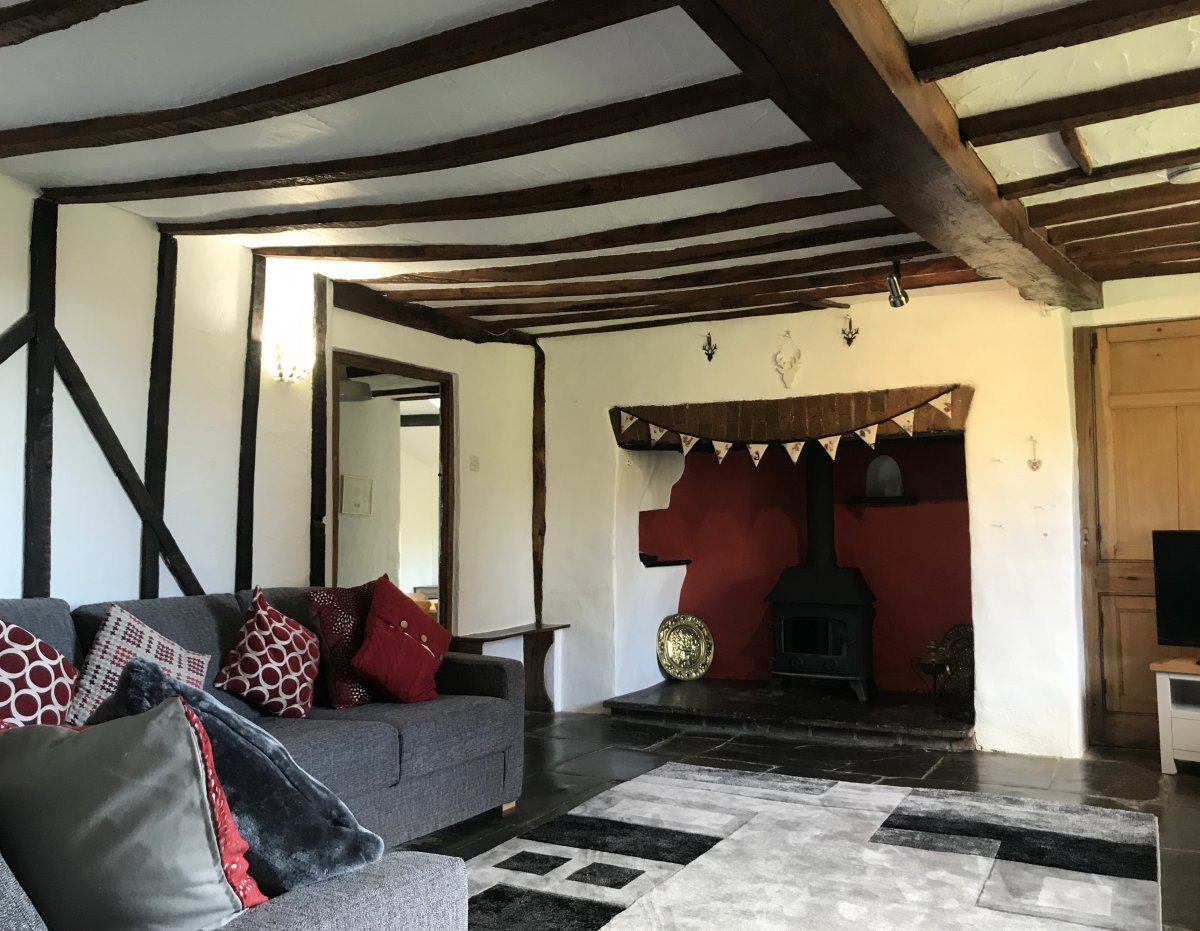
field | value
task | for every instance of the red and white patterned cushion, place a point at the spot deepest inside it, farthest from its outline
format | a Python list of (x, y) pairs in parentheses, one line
[(37, 682), (274, 663), (122, 637)]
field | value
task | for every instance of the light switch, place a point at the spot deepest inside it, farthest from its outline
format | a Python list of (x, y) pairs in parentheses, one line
[(473, 463)]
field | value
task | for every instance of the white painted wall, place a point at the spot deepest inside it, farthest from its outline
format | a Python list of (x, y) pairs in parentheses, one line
[(420, 490), (1024, 525), (369, 544)]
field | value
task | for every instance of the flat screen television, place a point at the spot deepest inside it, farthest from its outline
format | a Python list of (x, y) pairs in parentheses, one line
[(1177, 586)]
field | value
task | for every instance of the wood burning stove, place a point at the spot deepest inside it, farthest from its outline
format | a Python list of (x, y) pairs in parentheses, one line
[(822, 613)]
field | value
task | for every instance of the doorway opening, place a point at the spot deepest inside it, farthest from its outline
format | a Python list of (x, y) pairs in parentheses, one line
[(393, 472)]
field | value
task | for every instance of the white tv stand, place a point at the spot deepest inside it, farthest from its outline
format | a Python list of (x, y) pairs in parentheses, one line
[(1178, 683)]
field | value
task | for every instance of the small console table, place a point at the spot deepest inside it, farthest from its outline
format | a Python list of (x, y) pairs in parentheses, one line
[(1178, 683), (538, 641)]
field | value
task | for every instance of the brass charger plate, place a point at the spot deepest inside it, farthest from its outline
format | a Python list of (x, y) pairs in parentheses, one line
[(685, 646)]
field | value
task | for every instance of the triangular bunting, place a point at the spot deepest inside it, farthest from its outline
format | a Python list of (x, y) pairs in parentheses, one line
[(656, 433), (688, 442), (722, 449), (945, 403), (867, 434), (757, 450), (905, 421), (830, 445), (627, 421), (794, 450)]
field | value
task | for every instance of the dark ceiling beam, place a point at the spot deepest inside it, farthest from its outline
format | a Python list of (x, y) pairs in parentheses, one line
[(1113, 271), (625, 262), (1132, 243), (1139, 223), (506, 34), (1074, 177), (24, 21), (1071, 25), (1087, 109), (360, 299), (1188, 252), (676, 321), (1095, 206), (567, 129), (744, 289), (840, 71), (1078, 149), (564, 195), (716, 276)]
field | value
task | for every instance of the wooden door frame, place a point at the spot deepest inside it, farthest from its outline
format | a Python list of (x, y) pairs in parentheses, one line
[(447, 480), (1084, 343)]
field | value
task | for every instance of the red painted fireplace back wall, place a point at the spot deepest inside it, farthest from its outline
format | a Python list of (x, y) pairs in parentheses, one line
[(742, 526)]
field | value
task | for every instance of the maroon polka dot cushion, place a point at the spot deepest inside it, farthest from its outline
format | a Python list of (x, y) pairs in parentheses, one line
[(342, 613), (274, 662), (37, 682)]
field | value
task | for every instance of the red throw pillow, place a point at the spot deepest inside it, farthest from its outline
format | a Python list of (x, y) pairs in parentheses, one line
[(403, 646), (342, 613), (274, 662), (37, 682)]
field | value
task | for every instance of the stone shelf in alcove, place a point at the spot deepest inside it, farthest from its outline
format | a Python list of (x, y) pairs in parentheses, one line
[(895, 501), (653, 562)]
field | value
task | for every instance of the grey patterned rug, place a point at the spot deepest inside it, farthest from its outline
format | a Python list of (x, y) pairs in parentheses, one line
[(691, 847)]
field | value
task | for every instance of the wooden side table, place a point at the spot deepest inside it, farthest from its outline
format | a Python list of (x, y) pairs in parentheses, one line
[(1178, 682), (538, 641)]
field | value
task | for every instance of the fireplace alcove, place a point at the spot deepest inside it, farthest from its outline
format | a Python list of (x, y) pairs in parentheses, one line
[(745, 531)]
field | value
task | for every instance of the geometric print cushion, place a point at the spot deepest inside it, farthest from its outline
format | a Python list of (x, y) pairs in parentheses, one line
[(122, 637), (274, 662), (37, 682)]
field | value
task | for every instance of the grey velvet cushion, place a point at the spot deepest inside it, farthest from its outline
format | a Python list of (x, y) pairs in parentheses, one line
[(46, 618), (350, 757), (436, 734), (110, 829), (16, 911), (402, 892)]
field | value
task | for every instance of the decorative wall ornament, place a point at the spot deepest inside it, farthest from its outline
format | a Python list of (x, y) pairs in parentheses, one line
[(722, 449), (1034, 463), (830, 445), (685, 646), (945, 404), (794, 450), (787, 360), (627, 421), (688, 442), (849, 331), (867, 434), (757, 451), (710, 348), (905, 421), (656, 434)]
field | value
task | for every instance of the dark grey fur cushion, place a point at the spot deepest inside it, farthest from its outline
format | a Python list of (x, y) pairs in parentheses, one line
[(298, 831)]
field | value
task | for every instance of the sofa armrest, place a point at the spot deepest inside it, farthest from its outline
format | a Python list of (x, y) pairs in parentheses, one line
[(402, 892), (468, 674)]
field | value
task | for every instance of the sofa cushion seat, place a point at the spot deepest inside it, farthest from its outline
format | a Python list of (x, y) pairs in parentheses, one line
[(435, 734), (350, 757)]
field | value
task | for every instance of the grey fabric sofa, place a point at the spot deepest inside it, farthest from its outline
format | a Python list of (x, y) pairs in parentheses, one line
[(404, 770)]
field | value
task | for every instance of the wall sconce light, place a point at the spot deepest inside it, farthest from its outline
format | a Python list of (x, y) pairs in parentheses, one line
[(709, 347), (849, 331), (288, 352), (897, 296)]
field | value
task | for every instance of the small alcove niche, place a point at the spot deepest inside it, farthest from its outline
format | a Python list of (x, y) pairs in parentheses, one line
[(884, 479)]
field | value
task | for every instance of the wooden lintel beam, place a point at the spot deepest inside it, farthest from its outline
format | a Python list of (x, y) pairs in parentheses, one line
[(1095, 206), (661, 258), (567, 129), (1112, 103), (484, 40), (1141, 222), (563, 195), (1071, 25), (360, 299), (1074, 177), (24, 21), (840, 71)]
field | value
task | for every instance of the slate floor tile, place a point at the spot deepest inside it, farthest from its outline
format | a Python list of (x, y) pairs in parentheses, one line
[(1008, 769), (547, 752), (605, 731), (616, 763)]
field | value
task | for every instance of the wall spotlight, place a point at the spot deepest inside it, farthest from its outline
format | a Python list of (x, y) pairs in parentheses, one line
[(897, 296)]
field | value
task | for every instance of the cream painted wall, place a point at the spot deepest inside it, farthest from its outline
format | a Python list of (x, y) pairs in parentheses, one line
[(1024, 524), (1144, 300), (369, 544)]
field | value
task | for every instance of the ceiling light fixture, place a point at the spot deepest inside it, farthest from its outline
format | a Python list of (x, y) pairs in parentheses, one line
[(897, 296), (1186, 174)]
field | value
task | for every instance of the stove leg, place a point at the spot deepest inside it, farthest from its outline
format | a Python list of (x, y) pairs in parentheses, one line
[(775, 685), (860, 688)]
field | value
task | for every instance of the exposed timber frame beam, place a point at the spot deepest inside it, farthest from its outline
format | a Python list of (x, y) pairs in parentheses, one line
[(653, 310), (856, 231), (1139, 223), (1149, 269), (1096, 206), (1072, 25), (1073, 140), (568, 129), (16, 336), (1132, 243), (676, 321), (564, 195), (836, 51), (1059, 113), (24, 21), (1073, 177), (484, 40), (1187, 252), (360, 299)]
